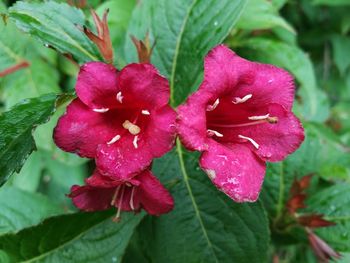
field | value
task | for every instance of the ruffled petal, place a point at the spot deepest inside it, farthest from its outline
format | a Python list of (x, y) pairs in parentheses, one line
[(225, 73), (141, 86), (275, 141), (81, 129), (122, 160), (154, 197), (161, 131), (191, 121), (235, 170), (90, 198), (97, 85)]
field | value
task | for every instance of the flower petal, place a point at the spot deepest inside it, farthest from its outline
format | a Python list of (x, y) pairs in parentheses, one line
[(235, 170), (161, 131), (275, 141), (227, 73), (90, 198), (191, 121), (97, 85), (81, 129), (154, 197), (142, 86)]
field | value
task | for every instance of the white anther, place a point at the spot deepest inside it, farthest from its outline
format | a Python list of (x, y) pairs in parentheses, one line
[(212, 107), (261, 117), (120, 97), (216, 133), (134, 142), (256, 145), (102, 110), (132, 128), (145, 112), (238, 100), (114, 139)]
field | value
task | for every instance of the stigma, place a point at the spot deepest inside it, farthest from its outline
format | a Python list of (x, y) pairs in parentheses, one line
[(132, 128)]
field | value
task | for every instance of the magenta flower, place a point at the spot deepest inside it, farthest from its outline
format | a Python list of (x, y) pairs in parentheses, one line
[(120, 118), (239, 118), (142, 191)]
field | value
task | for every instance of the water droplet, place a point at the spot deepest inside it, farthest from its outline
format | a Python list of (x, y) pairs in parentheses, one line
[(216, 23), (114, 259)]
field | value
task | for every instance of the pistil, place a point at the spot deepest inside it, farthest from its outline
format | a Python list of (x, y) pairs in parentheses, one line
[(132, 128), (271, 120)]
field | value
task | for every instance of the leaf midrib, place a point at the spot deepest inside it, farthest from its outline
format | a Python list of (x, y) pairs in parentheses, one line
[(64, 243), (194, 203)]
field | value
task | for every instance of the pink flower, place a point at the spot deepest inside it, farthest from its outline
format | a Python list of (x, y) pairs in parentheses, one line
[(240, 118), (120, 118), (142, 191)]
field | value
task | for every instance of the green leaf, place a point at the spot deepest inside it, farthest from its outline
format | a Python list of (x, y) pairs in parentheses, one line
[(16, 126), (29, 177), (55, 24), (118, 20), (82, 237), (184, 32), (334, 203), (319, 154), (315, 106), (262, 14), (206, 225), (21, 209), (331, 2), (341, 52)]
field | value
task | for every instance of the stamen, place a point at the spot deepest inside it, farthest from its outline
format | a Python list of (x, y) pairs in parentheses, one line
[(115, 195), (238, 100), (120, 97), (132, 128), (145, 112), (102, 110), (213, 132), (256, 118), (131, 203), (212, 107), (256, 145), (117, 216), (134, 142), (114, 139)]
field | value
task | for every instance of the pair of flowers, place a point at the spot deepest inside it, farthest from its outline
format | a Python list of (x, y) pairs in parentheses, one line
[(239, 118)]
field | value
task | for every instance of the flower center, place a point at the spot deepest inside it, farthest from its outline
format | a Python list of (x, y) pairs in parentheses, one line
[(226, 115)]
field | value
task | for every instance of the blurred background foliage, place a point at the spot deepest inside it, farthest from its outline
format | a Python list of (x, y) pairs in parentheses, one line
[(309, 38)]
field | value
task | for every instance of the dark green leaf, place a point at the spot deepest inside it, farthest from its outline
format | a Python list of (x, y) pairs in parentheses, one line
[(341, 52), (21, 209), (82, 237), (184, 32), (262, 14), (331, 2), (206, 226), (16, 126), (334, 203), (55, 24)]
